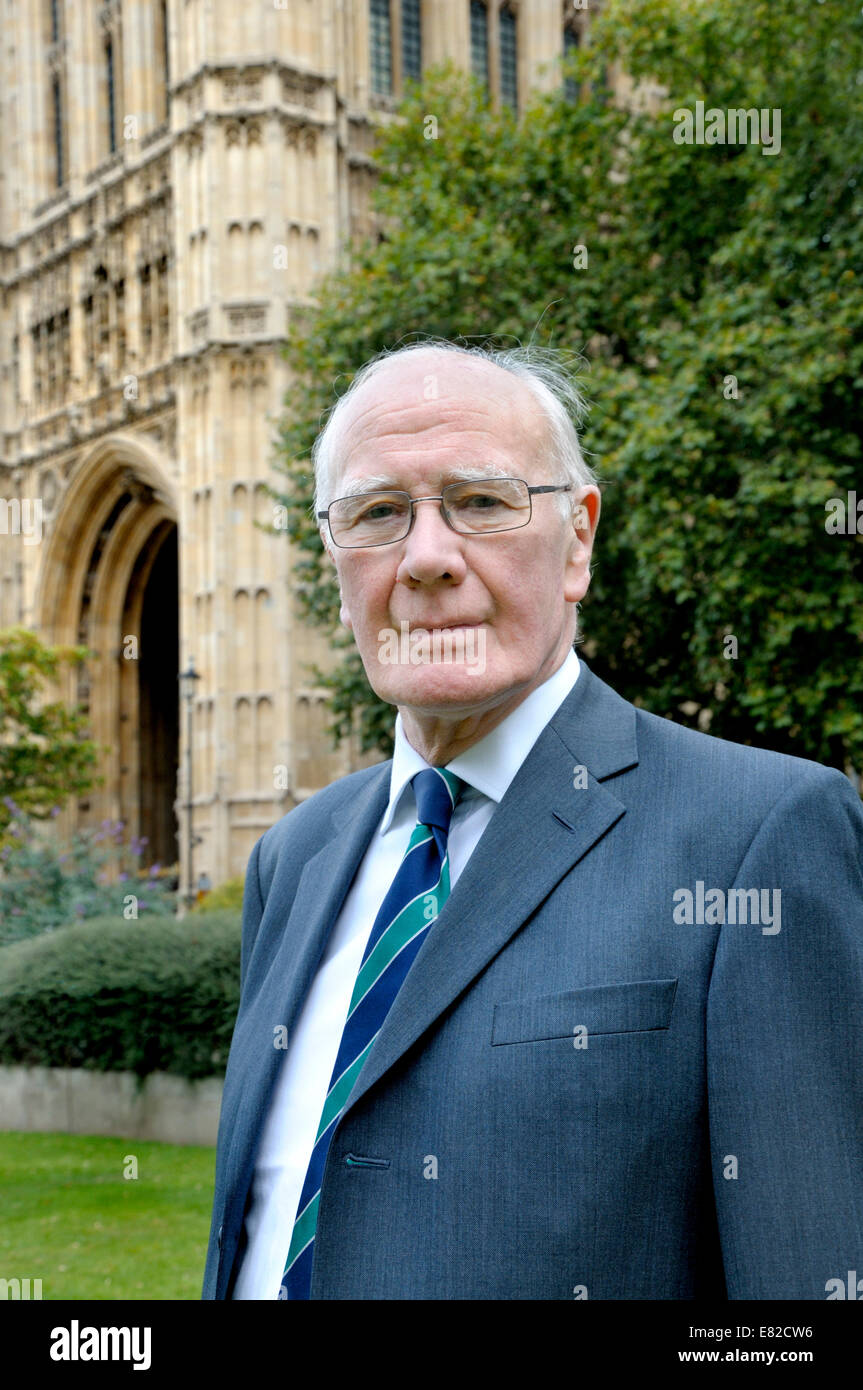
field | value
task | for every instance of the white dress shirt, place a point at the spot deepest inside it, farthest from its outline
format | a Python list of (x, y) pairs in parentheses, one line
[(301, 1088)]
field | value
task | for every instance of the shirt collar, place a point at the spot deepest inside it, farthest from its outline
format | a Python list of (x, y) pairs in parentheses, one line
[(491, 764)]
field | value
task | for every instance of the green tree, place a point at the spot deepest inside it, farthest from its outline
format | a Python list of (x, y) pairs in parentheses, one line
[(720, 313), (44, 754)]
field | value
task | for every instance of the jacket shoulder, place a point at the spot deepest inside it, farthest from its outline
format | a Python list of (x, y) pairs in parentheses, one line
[(721, 760), (302, 825)]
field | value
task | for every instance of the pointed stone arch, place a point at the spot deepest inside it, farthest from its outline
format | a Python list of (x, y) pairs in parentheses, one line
[(92, 490), (111, 554)]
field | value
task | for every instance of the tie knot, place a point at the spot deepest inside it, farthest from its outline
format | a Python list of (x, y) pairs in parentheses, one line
[(437, 792)]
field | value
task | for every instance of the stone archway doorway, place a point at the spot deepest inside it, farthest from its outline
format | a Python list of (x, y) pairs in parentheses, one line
[(154, 748), (109, 581)]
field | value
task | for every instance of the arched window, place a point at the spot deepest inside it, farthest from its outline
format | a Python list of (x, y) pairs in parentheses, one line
[(53, 33), (57, 129), (163, 61), (576, 35), (111, 95), (411, 40), (380, 30), (395, 43), (479, 40), (571, 43), (508, 36)]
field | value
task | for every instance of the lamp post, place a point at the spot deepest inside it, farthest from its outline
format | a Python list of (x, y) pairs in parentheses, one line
[(187, 680)]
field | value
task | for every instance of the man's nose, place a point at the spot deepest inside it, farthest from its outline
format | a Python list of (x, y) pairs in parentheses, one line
[(431, 549)]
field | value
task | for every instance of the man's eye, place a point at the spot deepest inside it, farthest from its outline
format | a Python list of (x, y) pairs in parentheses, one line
[(382, 511), (478, 501), (373, 511)]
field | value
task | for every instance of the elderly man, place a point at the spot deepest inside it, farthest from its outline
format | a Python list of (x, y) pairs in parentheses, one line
[(565, 1000)]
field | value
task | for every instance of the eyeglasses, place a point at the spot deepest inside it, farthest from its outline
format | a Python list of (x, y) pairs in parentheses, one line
[(476, 508)]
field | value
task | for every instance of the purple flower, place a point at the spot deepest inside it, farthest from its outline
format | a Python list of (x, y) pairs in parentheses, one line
[(123, 876)]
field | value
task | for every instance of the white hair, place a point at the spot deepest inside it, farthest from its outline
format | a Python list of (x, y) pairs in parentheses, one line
[(544, 371)]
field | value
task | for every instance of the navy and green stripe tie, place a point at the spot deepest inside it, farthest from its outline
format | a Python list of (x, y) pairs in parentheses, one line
[(416, 896)]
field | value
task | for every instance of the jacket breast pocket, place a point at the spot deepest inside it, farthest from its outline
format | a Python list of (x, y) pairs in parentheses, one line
[(639, 1006)]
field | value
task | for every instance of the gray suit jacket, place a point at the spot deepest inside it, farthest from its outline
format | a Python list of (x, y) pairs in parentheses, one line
[(578, 1092)]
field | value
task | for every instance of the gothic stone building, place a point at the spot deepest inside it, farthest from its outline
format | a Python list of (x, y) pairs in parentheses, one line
[(152, 158)]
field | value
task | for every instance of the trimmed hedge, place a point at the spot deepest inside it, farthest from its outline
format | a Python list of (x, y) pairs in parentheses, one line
[(160, 995)]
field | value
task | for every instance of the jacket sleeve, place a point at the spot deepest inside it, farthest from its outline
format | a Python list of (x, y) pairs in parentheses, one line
[(253, 910), (785, 1053)]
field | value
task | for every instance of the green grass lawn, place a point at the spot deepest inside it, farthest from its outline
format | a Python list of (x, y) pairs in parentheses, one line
[(70, 1217)]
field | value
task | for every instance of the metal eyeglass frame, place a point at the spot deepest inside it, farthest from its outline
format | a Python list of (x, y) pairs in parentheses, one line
[(439, 497)]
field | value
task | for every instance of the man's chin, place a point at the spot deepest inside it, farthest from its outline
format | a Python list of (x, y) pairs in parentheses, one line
[(441, 689)]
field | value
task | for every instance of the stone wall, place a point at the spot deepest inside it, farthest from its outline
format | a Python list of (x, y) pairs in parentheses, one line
[(74, 1100)]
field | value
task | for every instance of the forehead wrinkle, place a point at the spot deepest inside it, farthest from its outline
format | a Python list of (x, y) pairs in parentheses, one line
[(381, 419), (452, 401), (403, 457), (432, 440), (391, 482)]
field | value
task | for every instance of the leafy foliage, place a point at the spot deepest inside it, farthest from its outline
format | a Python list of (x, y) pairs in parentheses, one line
[(45, 884), (44, 755), (721, 311)]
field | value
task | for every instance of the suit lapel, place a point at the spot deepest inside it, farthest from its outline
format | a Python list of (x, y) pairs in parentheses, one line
[(541, 829), (320, 893)]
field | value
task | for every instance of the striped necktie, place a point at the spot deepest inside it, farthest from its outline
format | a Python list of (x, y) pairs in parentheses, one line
[(416, 896)]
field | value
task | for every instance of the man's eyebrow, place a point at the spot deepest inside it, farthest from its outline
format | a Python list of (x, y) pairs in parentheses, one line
[(367, 484), (357, 486)]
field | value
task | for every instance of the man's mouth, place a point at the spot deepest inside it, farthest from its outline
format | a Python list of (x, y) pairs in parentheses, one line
[(454, 626), (459, 642)]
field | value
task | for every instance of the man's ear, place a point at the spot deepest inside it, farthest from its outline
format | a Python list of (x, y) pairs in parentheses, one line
[(585, 514), (584, 521)]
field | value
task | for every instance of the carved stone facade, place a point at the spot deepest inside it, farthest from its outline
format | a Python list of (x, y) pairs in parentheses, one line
[(174, 177)]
